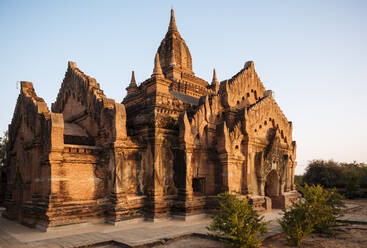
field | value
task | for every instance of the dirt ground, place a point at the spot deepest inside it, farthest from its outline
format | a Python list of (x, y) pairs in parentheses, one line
[(347, 237), (358, 213), (350, 235), (193, 242)]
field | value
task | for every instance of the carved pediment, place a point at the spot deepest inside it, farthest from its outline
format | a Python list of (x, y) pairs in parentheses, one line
[(267, 114), (242, 85), (230, 141), (272, 158)]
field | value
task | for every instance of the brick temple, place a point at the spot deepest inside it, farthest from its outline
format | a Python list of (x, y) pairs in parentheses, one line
[(167, 150)]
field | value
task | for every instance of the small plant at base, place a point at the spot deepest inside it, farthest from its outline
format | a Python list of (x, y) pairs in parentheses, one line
[(317, 211), (236, 223), (326, 206), (297, 223)]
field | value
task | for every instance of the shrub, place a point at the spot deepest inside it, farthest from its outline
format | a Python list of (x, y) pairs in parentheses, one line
[(353, 189), (325, 206), (297, 223), (236, 223), (317, 211)]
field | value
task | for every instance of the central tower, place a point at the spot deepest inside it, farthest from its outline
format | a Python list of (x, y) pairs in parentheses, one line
[(175, 57), (176, 63)]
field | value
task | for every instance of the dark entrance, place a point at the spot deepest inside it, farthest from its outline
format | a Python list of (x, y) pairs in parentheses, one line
[(198, 185), (272, 186)]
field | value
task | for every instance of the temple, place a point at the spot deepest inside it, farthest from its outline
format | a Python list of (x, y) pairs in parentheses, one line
[(167, 150)]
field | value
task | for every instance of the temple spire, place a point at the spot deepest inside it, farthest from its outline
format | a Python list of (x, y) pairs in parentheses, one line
[(132, 88), (173, 51), (215, 84), (215, 80), (157, 71), (132, 81), (172, 22)]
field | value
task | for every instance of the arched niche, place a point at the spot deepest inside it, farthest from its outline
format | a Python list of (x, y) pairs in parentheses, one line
[(272, 184)]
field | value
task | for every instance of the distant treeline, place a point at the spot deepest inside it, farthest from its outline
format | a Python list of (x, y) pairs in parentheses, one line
[(347, 177)]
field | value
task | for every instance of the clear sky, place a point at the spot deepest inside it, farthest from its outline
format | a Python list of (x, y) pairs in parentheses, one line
[(312, 54)]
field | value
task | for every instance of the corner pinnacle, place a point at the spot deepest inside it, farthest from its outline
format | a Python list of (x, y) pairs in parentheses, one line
[(71, 64), (215, 84), (157, 71), (132, 81), (215, 80)]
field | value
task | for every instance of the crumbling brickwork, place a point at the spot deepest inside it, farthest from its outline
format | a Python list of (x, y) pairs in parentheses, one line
[(168, 149)]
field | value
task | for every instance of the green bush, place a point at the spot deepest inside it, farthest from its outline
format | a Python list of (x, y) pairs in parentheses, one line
[(236, 223), (325, 206), (353, 189), (297, 223), (317, 211)]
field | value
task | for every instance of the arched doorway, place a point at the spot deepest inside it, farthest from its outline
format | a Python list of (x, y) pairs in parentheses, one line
[(272, 185)]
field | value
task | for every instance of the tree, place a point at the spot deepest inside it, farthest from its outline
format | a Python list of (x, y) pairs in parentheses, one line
[(351, 176), (326, 173), (236, 223), (353, 187)]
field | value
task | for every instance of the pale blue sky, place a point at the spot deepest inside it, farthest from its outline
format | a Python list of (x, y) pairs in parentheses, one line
[(312, 54)]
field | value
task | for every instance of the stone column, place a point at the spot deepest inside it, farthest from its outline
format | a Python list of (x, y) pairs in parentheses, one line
[(261, 182), (231, 175), (288, 176), (249, 171), (293, 186), (224, 173), (57, 181), (158, 168), (244, 178), (188, 186), (281, 185), (237, 174)]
